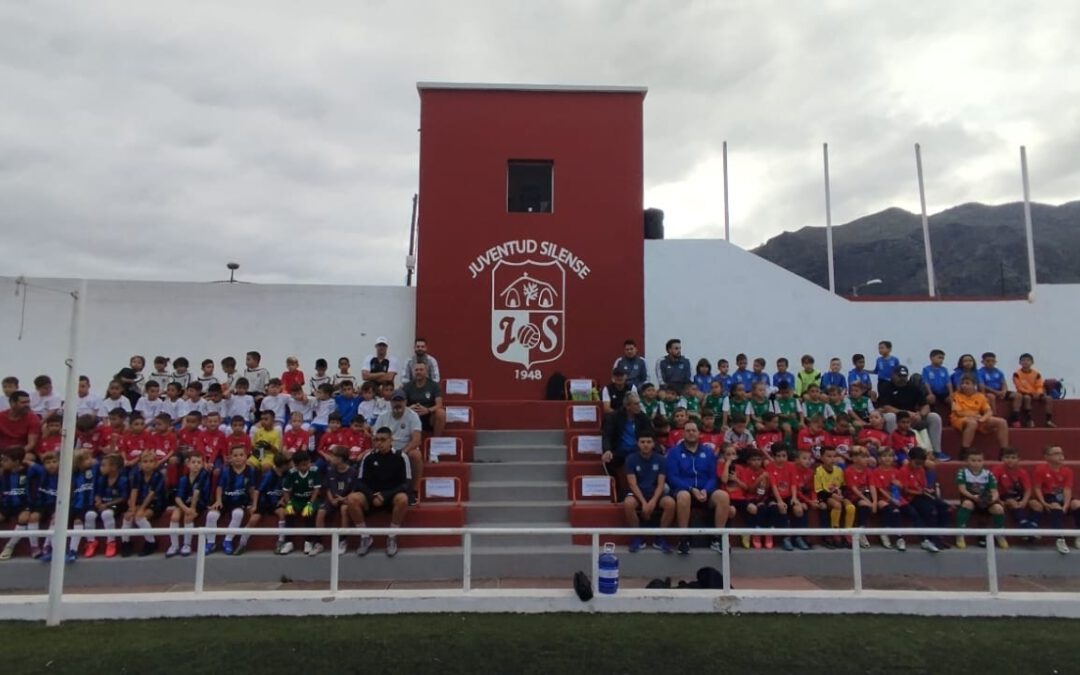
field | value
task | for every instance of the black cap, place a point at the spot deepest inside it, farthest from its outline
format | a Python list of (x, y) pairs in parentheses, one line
[(618, 370), (902, 371), (398, 395)]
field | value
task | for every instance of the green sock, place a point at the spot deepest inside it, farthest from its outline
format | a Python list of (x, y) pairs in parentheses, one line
[(999, 521), (962, 517)]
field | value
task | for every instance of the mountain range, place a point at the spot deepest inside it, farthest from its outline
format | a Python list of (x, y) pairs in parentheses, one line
[(978, 250)]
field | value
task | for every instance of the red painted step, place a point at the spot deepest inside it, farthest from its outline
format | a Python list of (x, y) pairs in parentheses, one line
[(1030, 442)]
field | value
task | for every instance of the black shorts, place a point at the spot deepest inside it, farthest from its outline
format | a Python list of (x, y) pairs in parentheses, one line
[(388, 499), (425, 423), (228, 507), (117, 509), (45, 511), (12, 512), (331, 509), (264, 509)]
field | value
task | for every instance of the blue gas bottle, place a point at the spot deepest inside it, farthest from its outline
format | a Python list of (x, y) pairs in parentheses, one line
[(608, 576)]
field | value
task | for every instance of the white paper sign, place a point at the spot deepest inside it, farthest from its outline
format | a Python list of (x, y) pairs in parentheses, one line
[(583, 413), (440, 487), (443, 445), (590, 445), (460, 387), (595, 486), (581, 387), (457, 414)]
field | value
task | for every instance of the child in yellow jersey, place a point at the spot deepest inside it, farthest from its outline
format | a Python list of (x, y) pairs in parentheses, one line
[(829, 486), (266, 441)]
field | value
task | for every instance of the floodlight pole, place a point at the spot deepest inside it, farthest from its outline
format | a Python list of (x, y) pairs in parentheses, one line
[(67, 456), (828, 221), (727, 213), (1027, 221), (925, 223)]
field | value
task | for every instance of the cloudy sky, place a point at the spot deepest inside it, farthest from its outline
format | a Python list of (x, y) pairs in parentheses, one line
[(146, 139)]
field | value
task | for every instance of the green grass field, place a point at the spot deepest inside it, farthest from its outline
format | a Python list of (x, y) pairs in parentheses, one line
[(549, 643)]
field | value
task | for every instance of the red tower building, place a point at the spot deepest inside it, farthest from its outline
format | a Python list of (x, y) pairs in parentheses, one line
[(530, 235)]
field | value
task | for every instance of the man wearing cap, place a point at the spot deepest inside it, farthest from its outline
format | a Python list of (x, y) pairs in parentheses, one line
[(425, 399), (380, 366), (405, 426), (900, 393), (421, 355), (637, 370), (615, 391)]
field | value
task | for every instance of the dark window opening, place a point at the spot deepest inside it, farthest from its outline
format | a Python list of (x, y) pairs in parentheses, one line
[(530, 186)]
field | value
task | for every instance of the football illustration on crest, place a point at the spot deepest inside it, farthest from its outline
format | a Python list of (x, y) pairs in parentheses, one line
[(527, 311)]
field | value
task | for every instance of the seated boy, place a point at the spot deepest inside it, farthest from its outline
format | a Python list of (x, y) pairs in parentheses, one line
[(935, 378), (645, 477), (1030, 387), (971, 412), (339, 483), (1053, 483), (1014, 486), (300, 489), (992, 381), (978, 494)]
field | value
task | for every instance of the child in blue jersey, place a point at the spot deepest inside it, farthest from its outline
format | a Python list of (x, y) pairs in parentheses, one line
[(965, 365), (45, 499), (234, 495), (834, 378), (935, 378), (782, 375), (742, 375), (758, 374), (84, 475), (192, 498), (269, 501), (722, 374), (112, 491), (703, 375), (18, 482), (145, 504), (339, 481), (859, 373), (992, 382), (885, 363)]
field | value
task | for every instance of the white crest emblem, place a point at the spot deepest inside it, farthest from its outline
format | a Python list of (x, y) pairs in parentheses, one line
[(527, 311)]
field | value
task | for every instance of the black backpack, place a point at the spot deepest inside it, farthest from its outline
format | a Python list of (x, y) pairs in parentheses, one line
[(583, 586), (707, 577), (556, 387)]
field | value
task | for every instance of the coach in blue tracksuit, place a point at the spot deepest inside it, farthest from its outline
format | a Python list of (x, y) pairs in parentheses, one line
[(691, 473)]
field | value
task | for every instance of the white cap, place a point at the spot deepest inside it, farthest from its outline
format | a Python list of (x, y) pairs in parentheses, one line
[(382, 341)]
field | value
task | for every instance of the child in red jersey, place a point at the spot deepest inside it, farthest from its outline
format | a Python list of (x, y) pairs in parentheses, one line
[(726, 479), (929, 510), (768, 435), (292, 376), (813, 437), (1053, 483), (860, 485), (903, 438), (891, 503), (135, 441), (331, 438), (108, 436), (51, 438), (357, 438), (678, 421), (782, 482), (842, 437), (753, 481), (709, 433), (1014, 485), (213, 444), (85, 429), (238, 436), (296, 437), (803, 499), (873, 436), (162, 439)]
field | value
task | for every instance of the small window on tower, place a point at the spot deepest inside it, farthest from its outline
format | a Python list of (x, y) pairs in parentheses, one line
[(530, 186)]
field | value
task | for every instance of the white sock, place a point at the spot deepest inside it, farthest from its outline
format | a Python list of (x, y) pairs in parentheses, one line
[(212, 521), (90, 520), (235, 520), (188, 527), (108, 519), (76, 537), (14, 541), (35, 542), (144, 524), (126, 526), (174, 539), (281, 537)]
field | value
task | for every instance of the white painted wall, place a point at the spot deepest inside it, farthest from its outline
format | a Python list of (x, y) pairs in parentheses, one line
[(199, 320), (722, 300)]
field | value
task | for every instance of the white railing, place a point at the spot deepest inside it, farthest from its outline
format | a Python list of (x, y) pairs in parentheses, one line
[(595, 533)]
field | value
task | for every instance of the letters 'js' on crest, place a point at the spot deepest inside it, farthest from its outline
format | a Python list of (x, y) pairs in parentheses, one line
[(528, 311)]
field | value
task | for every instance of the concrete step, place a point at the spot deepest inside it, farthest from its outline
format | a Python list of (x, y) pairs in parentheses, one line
[(516, 471), (516, 512), (527, 437), (518, 453), (524, 540), (538, 561), (504, 491)]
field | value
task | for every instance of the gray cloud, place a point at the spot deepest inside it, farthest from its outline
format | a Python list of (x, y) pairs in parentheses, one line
[(149, 140)]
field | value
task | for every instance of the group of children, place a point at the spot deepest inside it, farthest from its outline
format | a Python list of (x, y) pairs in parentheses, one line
[(795, 443), (241, 447)]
